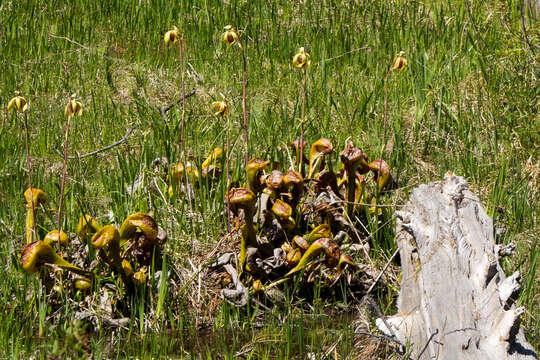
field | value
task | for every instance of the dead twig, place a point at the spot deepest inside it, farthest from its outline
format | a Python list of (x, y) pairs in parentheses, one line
[(69, 40), (374, 308), (243, 354), (357, 235), (365, 204), (383, 270), (95, 152), (381, 337), (524, 31), (163, 111), (427, 343), (333, 347), (343, 54)]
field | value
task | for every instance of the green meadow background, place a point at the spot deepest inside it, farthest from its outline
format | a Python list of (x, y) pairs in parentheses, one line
[(468, 103)]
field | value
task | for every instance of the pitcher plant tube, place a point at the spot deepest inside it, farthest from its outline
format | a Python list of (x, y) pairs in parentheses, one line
[(87, 225), (353, 159), (319, 232), (255, 170), (345, 260), (241, 198), (330, 248), (33, 198), (139, 222), (274, 184), (39, 253), (139, 278), (318, 149), (107, 241), (108, 238), (381, 172), (295, 180), (211, 166), (283, 212), (55, 236)]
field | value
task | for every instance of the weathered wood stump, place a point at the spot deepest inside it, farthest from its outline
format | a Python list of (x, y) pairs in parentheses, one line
[(455, 301)]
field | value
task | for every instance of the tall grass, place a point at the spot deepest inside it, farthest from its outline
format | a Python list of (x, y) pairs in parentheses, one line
[(468, 103)]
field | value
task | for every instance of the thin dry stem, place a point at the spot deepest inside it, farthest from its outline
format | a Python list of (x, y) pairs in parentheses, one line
[(227, 177), (59, 221), (100, 150), (385, 111), (244, 101), (181, 47), (182, 143), (383, 270), (28, 165), (387, 78), (301, 145)]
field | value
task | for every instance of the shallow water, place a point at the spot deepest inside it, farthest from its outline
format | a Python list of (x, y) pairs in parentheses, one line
[(293, 336)]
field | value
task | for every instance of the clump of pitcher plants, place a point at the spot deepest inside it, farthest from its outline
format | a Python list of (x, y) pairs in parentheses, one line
[(187, 176), (294, 227), (124, 252)]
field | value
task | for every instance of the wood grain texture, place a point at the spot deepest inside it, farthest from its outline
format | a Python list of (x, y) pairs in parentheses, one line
[(452, 284)]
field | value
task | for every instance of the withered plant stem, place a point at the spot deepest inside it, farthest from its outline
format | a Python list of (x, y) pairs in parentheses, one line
[(59, 220), (345, 104), (227, 145), (301, 145), (244, 101), (182, 125), (114, 261), (29, 170), (181, 49), (385, 118), (351, 190)]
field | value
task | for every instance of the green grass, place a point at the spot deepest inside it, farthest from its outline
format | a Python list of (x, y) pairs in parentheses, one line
[(467, 103)]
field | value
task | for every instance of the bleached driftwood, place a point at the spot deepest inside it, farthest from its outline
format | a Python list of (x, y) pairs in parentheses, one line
[(455, 301)]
